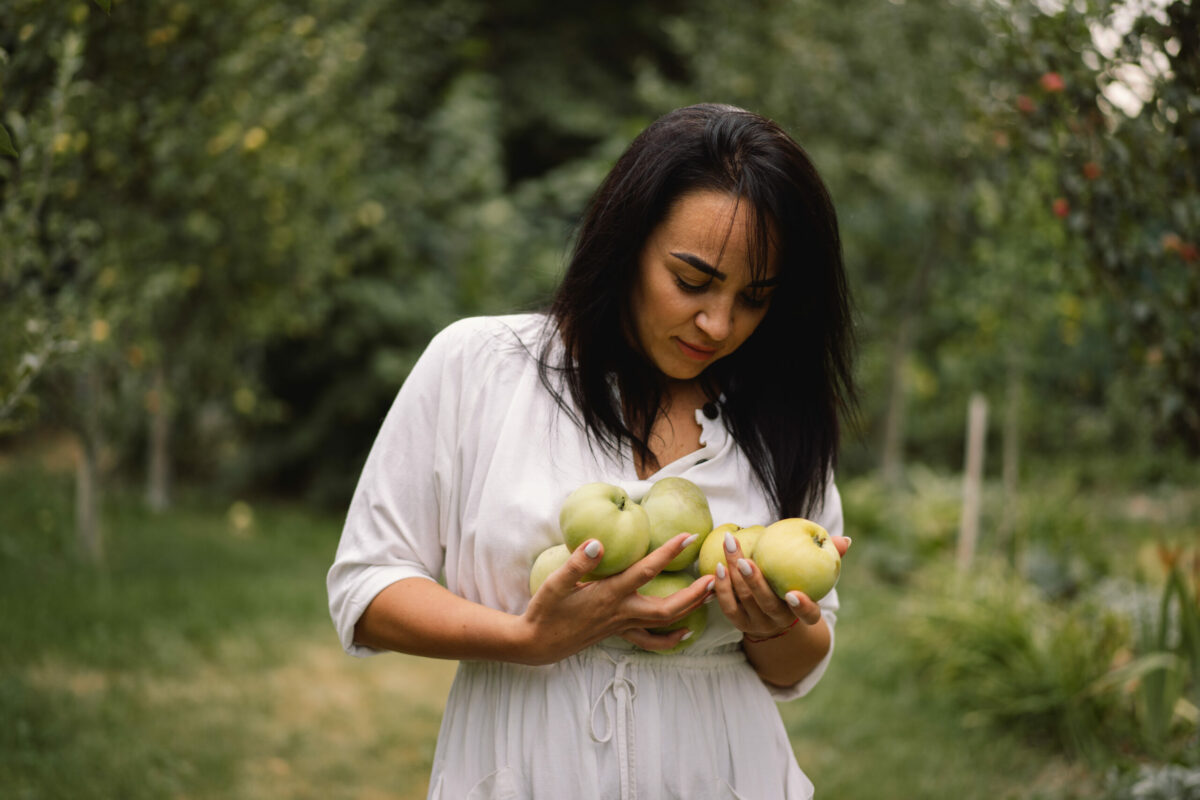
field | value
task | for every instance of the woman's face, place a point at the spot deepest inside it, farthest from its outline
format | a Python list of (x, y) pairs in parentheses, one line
[(695, 299)]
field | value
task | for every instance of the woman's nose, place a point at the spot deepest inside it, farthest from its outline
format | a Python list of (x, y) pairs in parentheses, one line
[(715, 320)]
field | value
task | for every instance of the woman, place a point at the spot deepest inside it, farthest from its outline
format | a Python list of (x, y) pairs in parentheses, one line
[(702, 330)]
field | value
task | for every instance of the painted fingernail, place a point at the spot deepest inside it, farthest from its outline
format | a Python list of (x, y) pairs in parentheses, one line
[(721, 571), (744, 567), (730, 542), (792, 600), (711, 585), (686, 636), (592, 549), (689, 541)]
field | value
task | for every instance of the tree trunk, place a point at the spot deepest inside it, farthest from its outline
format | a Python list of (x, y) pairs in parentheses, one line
[(158, 461), (891, 465), (87, 472), (1010, 454)]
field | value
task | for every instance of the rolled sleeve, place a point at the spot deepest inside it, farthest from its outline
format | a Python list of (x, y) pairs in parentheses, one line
[(394, 527)]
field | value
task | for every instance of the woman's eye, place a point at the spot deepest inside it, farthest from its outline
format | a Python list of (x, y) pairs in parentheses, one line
[(691, 287), (756, 301)]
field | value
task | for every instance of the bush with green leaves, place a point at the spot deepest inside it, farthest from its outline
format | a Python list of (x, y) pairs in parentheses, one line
[(906, 525), (1012, 657), (1109, 674)]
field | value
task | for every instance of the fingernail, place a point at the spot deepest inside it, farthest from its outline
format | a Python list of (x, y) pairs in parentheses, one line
[(744, 567), (592, 549), (849, 542), (689, 541), (792, 600), (711, 585), (686, 636), (721, 571), (730, 542)]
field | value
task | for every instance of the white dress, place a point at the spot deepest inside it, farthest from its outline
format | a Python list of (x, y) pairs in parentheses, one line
[(464, 483)]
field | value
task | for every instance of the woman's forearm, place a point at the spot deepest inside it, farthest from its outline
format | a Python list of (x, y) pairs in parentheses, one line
[(420, 617), (567, 614), (790, 658)]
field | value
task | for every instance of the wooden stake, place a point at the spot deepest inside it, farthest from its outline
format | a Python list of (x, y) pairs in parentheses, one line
[(968, 532)]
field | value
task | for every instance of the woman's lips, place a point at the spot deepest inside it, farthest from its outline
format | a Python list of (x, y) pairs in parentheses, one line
[(696, 352)]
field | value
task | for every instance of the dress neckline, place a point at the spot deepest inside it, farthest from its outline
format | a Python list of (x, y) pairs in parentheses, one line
[(713, 437)]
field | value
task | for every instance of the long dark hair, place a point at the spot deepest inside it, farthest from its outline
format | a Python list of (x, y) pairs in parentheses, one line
[(789, 383)]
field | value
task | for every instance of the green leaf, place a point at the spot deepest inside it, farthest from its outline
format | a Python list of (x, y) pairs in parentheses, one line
[(105, 6), (1137, 668), (6, 145)]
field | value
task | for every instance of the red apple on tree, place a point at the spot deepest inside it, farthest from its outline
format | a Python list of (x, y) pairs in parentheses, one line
[(1052, 82)]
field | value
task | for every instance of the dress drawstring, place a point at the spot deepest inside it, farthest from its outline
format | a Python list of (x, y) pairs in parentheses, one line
[(623, 691), (612, 716)]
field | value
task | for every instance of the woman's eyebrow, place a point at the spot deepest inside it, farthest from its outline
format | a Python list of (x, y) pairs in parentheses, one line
[(700, 264), (708, 269)]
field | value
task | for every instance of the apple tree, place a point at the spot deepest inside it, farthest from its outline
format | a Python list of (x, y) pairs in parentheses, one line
[(54, 336), (1105, 95)]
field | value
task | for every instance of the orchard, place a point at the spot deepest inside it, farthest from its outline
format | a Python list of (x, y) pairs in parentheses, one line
[(227, 231)]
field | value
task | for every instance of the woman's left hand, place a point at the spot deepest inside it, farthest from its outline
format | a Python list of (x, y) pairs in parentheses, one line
[(751, 605)]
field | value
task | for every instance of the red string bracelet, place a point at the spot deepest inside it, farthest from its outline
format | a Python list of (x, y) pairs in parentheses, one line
[(752, 640)]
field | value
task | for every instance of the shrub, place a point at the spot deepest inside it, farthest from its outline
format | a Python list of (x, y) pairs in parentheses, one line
[(907, 525), (1014, 658)]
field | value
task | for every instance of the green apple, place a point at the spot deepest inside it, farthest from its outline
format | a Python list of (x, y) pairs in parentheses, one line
[(676, 505), (665, 584), (547, 561), (713, 550), (798, 555), (605, 512)]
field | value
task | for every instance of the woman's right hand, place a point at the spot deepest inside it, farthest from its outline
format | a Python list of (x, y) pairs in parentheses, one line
[(567, 615)]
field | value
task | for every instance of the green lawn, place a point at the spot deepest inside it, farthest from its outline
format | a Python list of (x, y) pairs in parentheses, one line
[(199, 662)]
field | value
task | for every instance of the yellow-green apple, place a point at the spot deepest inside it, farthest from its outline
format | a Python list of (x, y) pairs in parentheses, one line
[(547, 561), (665, 584), (675, 506), (713, 550), (606, 513), (798, 555)]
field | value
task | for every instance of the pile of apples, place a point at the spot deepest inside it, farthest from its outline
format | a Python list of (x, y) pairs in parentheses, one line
[(794, 554)]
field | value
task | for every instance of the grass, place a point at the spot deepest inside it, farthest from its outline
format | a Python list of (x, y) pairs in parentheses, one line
[(199, 662)]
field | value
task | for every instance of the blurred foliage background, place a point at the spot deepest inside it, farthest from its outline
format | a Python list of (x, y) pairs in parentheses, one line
[(228, 229)]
